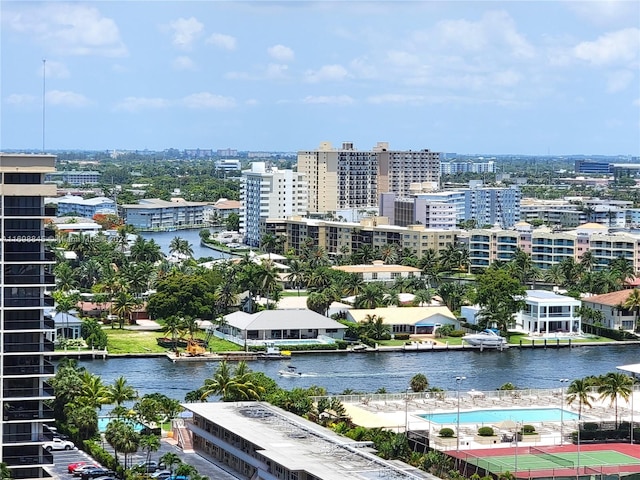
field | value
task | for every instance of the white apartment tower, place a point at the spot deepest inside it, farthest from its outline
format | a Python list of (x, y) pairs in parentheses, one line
[(25, 274), (347, 178), (269, 193)]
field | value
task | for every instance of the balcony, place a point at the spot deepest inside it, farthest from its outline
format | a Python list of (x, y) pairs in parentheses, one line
[(19, 413), (35, 347), (46, 279), (25, 257), (26, 437), (46, 369), (44, 324), (26, 392), (17, 461)]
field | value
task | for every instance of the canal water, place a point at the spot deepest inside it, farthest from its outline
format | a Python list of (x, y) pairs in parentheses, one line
[(368, 372), (192, 236)]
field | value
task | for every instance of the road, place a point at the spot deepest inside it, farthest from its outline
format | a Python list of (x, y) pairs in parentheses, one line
[(204, 467)]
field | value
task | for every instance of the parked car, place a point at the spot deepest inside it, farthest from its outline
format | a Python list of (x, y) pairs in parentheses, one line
[(161, 474), (96, 473), (72, 466), (149, 467), (85, 468), (58, 444)]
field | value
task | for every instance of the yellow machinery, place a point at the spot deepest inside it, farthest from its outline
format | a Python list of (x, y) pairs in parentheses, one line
[(194, 349)]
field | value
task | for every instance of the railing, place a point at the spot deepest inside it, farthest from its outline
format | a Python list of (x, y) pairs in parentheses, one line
[(35, 347), (42, 459), (28, 392), (28, 414), (46, 279), (45, 369), (45, 324), (26, 437)]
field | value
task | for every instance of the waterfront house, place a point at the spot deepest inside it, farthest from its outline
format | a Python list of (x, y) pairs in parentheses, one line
[(613, 314), (411, 320), (154, 214), (547, 312), (269, 325), (68, 326), (378, 271)]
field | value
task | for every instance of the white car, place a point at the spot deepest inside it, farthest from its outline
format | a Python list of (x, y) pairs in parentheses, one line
[(58, 444)]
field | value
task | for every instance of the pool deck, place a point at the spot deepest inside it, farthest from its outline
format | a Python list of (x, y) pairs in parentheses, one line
[(398, 411)]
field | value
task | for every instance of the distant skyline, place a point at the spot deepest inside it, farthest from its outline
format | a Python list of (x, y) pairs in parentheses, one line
[(520, 77)]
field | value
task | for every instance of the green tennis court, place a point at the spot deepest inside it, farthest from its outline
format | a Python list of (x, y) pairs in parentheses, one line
[(550, 461)]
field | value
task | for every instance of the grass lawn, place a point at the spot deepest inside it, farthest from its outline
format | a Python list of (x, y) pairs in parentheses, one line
[(391, 343), (515, 340), (136, 341)]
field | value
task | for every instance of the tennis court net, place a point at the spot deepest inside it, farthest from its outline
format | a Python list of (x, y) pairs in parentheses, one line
[(558, 460)]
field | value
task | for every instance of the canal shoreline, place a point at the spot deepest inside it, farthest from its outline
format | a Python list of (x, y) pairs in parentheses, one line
[(416, 348)]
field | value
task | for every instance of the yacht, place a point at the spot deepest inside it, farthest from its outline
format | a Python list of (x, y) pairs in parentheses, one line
[(485, 338), (290, 371)]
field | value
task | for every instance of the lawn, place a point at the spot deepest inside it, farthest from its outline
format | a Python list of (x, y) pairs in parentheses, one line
[(137, 341)]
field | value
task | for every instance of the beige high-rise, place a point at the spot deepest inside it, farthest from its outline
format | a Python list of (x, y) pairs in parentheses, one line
[(347, 178)]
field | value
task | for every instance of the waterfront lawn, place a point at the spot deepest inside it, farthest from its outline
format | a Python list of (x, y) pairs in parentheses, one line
[(515, 338), (141, 341)]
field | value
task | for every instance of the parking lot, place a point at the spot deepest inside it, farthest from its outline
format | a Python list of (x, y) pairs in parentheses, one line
[(63, 458)]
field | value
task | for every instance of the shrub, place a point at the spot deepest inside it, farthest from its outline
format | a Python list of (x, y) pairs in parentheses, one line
[(528, 430), (485, 431), (446, 432), (401, 336), (456, 333), (590, 427)]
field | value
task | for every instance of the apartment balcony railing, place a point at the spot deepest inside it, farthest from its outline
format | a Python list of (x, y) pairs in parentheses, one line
[(44, 413), (45, 458), (23, 257), (45, 369), (46, 301), (44, 324), (19, 347), (46, 279), (26, 437), (36, 392)]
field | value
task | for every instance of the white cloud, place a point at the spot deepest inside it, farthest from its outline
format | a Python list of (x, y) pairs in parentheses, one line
[(609, 12), (54, 69), (136, 104), (636, 102), (403, 59), (183, 63), (619, 47), (185, 31), (619, 80), (68, 29), (363, 68), (329, 100), (276, 71), (327, 73), (66, 99), (224, 42), (206, 100), (20, 99), (400, 99), (281, 53)]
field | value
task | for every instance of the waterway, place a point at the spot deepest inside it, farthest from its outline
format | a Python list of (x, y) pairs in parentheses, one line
[(368, 372), (192, 236)]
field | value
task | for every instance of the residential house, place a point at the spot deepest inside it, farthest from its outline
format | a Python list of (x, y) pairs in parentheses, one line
[(547, 312), (291, 325), (378, 271), (411, 320), (614, 315)]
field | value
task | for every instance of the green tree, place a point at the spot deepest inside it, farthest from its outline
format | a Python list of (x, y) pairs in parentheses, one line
[(149, 443), (170, 459), (419, 382), (120, 392), (375, 328), (500, 296), (633, 303), (232, 222), (579, 390), (614, 385)]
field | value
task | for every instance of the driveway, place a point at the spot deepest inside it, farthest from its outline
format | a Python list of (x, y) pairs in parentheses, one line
[(62, 458)]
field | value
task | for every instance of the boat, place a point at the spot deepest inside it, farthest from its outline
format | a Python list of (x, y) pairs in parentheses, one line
[(290, 371), (274, 353), (486, 338)]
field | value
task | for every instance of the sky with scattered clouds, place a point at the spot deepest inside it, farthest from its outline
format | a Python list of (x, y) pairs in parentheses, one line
[(528, 77)]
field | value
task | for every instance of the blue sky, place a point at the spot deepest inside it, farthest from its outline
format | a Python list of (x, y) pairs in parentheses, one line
[(529, 77)]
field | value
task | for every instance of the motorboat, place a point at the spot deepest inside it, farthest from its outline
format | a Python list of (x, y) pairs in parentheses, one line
[(485, 338), (290, 371)]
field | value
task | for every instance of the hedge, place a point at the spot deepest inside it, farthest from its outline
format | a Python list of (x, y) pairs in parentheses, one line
[(446, 432), (485, 432), (107, 460)]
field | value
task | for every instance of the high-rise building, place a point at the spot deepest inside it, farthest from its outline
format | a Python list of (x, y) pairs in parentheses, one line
[(348, 178), (26, 274), (269, 193)]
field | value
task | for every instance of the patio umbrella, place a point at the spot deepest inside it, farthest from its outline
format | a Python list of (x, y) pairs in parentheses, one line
[(506, 424)]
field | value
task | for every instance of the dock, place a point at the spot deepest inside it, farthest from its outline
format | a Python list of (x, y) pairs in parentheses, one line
[(219, 357), (79, 354)]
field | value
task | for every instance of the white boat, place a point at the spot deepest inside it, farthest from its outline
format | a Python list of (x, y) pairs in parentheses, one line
[(290, 371), (485, 338)]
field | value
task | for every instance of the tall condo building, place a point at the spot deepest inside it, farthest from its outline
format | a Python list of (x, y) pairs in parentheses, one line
[(25, 275), (348, 178), (269, 193)]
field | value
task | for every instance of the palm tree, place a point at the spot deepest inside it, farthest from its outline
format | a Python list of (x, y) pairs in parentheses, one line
[(554, 275), (580, 391), (181, 246), (614, 385), (375, 327), (587, 260), (388, 253), (422, 298), (145, 251), (123, 306), (65, 304), (624, 268), (297, 274), (173, 327), (65, 277), (119, 392), (268, 242), (150, 443), (419, 382), (225, 296), (93, 393), (352, 285), (170, 459), (372, 296), (452, 294), (633, 303), (113, 434)]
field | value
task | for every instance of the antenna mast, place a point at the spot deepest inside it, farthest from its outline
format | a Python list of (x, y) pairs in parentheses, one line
[(44, 76)]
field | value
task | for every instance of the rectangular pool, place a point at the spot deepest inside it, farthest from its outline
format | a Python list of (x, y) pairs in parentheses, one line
[(529, 415), (103, 422)]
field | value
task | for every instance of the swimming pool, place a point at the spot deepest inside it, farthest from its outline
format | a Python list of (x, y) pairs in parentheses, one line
[(531, 415), (104, 421)]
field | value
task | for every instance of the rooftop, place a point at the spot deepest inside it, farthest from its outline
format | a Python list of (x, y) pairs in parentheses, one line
[(612, 299)]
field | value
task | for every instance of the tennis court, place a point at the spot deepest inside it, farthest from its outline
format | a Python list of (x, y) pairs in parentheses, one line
[(555, 462)]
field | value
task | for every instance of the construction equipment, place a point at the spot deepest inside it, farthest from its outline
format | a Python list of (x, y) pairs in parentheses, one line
[(195, 349)]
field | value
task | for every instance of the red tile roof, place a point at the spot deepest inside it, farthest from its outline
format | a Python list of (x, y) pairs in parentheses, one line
[(613, 299)]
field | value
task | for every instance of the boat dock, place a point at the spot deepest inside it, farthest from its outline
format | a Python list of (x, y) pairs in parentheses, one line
[(229, 357)]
